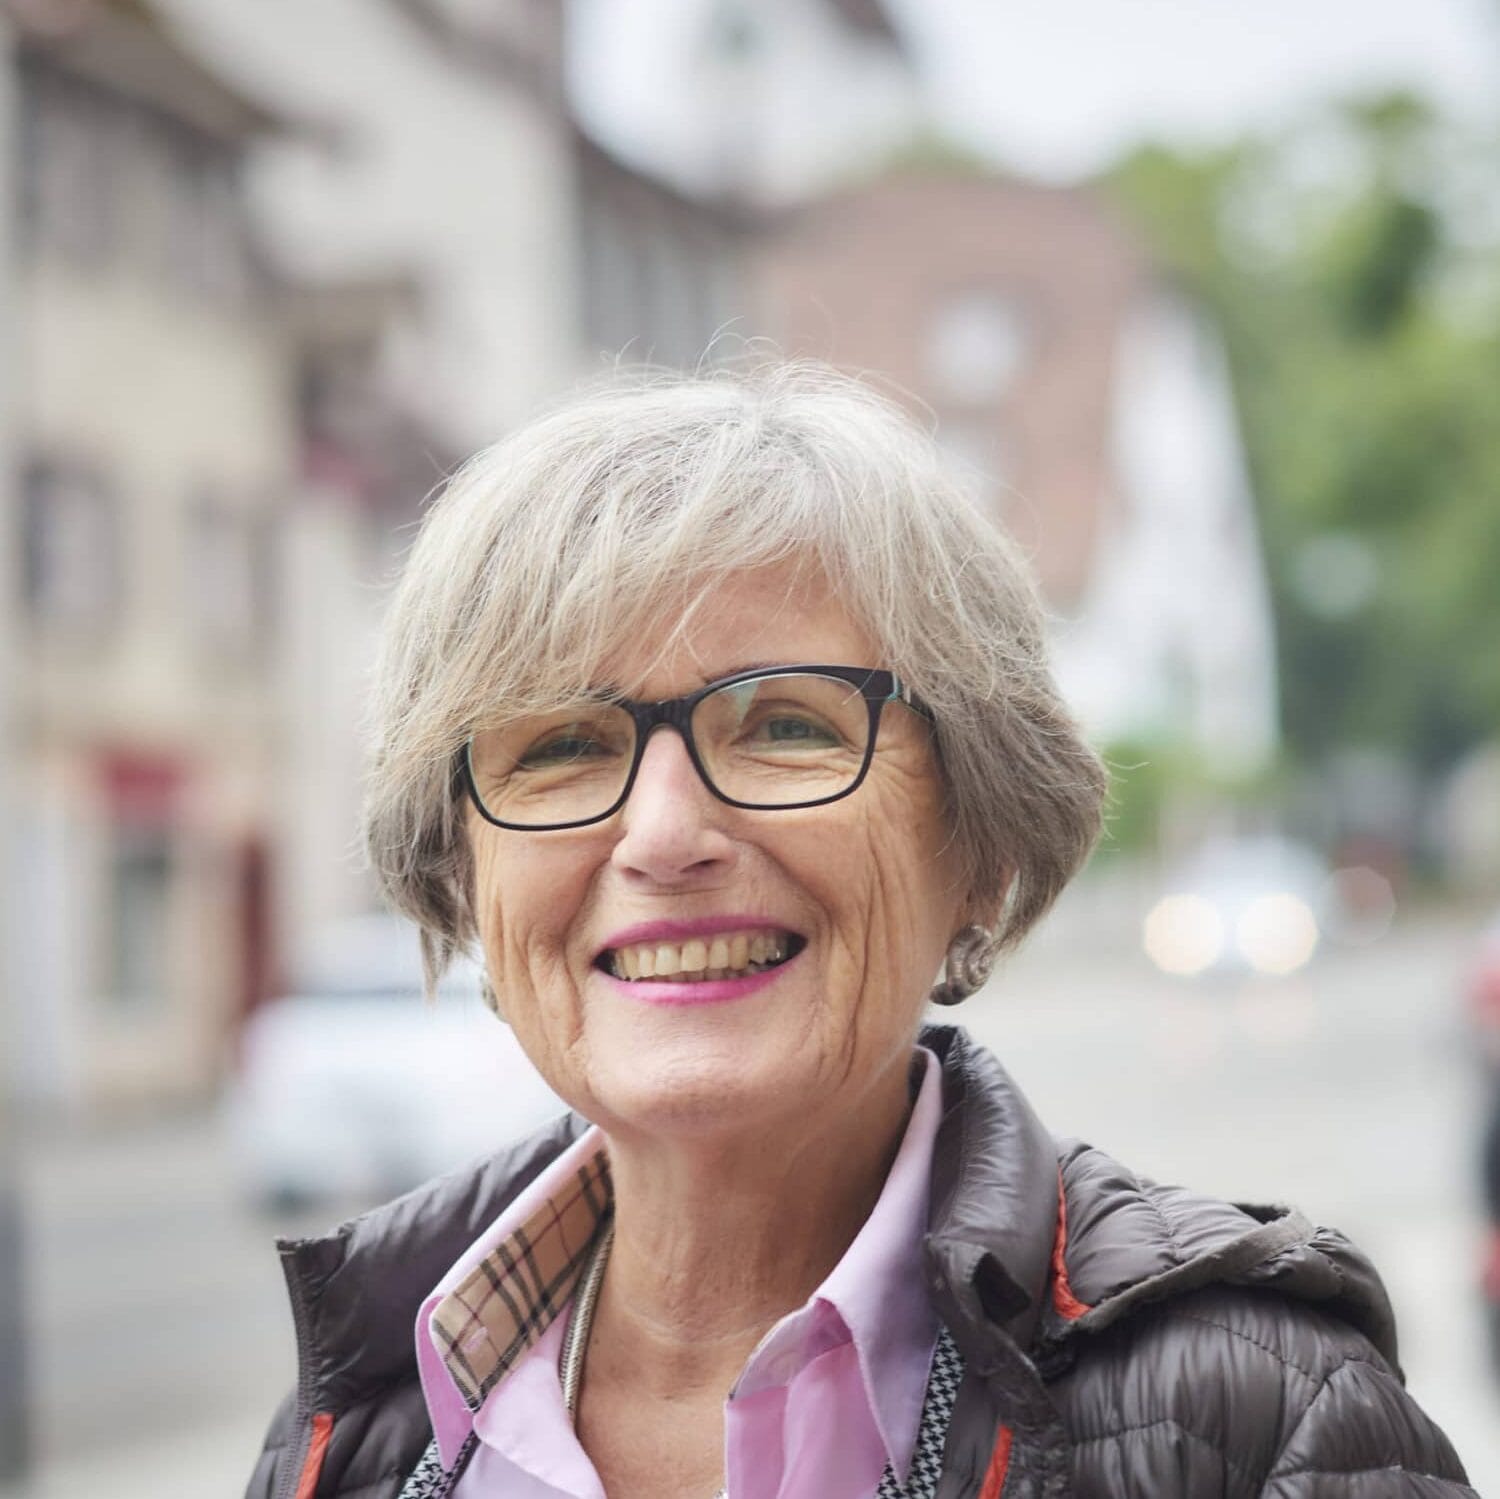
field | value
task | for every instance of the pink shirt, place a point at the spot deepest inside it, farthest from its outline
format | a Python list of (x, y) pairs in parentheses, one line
[(831, 1394)]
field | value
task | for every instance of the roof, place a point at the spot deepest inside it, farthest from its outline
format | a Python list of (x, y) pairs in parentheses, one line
[(127, 46)]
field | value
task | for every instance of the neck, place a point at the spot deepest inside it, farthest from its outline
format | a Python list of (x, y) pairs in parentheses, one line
[(716, 1240)]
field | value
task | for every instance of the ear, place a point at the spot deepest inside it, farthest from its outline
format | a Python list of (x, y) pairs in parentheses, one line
[(985, 908)]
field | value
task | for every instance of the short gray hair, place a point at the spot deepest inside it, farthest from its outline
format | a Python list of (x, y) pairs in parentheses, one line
[(624, 509)]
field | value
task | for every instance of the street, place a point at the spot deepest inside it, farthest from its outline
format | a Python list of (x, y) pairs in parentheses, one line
[(161, 1339)]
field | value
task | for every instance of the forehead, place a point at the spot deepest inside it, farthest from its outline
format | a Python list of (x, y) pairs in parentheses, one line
[(771, 616)]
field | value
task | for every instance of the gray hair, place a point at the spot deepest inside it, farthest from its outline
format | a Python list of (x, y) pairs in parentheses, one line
[(626, 508)]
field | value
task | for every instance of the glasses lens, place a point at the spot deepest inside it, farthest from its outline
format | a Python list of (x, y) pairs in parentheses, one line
[(558, 767), (777, 741)]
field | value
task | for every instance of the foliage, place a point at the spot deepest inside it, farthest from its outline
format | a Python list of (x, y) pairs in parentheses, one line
[(1154, 785), (1354, 270)]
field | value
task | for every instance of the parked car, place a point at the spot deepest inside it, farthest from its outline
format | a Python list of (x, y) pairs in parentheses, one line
[(351, 1088), (1245, 904)]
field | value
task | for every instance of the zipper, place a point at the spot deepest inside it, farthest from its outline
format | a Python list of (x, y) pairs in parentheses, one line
[(286, 1485), (995, 1475)]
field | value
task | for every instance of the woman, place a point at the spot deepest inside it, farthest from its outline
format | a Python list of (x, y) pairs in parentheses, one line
[(720, 723)]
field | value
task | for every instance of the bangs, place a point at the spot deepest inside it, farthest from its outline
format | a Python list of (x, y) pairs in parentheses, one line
[(612, 593)]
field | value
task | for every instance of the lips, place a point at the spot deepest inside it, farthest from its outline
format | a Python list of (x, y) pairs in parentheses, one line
[(700, 955)]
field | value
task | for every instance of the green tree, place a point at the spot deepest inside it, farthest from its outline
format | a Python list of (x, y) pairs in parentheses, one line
[(1360, 307)]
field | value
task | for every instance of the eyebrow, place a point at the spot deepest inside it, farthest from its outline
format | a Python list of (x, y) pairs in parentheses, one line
[(612, 689), (747, 666)]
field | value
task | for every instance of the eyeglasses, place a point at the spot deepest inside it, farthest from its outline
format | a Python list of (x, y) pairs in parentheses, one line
[(771, 739)]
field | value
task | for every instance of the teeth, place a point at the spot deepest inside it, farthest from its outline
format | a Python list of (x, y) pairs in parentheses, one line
[(719, 957)]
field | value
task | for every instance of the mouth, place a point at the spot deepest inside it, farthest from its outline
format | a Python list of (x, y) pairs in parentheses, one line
[(725, 955)]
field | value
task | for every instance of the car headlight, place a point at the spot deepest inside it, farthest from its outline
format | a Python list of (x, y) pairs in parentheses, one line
[(1184, 934), (1276, 934)]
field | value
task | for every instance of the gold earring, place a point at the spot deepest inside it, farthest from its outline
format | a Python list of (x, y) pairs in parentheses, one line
[(971, 958)]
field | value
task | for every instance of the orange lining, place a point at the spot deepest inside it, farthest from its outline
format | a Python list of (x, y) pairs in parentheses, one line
[(1064, 1302), (312, 1465), (994, 1475)]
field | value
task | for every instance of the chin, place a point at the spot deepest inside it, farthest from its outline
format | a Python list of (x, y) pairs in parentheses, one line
[(699, 1091)]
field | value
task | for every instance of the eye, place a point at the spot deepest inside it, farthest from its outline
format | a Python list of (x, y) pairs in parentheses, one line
[(563, 748), (791, 729)]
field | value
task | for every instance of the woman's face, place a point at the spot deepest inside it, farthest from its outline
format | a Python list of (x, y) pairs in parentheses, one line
[(863, 891)]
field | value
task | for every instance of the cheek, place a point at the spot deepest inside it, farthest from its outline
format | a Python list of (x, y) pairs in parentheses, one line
[(524, 902), (893, 896)]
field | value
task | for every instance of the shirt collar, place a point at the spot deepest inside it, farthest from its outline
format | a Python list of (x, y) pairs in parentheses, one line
[(509, 1286), (512, 1283)]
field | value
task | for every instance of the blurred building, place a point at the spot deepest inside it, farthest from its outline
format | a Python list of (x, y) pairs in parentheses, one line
[(443, 156), (662, 273), (767, 100), (461, 253), (153, 440), (263, 305), (1086, 403), (368, 460)]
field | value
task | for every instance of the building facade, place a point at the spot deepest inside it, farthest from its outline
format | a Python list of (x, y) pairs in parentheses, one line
[(439, 151), (1083, 401), (661, 273), (153, 439), (769, 101)]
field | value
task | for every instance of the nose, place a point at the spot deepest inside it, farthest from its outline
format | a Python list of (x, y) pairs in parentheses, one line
[(671, 831)]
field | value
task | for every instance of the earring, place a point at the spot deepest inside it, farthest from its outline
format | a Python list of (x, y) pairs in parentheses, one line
[(971, 957)]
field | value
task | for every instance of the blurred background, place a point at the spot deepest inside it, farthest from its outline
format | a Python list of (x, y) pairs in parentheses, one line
[(1202, 301)]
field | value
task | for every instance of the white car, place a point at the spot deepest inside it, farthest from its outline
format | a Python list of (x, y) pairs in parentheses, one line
[(1247, 904), (354, 1089)]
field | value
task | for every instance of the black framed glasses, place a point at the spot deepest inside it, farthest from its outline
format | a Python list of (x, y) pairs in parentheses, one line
[(769, 740)]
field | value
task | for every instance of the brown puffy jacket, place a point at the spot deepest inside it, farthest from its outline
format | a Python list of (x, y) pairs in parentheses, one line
[(1121, 1340)]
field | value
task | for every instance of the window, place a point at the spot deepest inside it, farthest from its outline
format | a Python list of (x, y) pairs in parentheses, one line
[(203, 221), (140, 881), (975, 346), (101, 179), (187, 223), (69, 186), (71, 547), (228, 581)]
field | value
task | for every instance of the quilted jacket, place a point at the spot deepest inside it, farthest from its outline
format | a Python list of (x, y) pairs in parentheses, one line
[(1121, 1340)]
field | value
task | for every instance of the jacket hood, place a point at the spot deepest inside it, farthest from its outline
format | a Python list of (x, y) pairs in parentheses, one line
[(1127, 1243)]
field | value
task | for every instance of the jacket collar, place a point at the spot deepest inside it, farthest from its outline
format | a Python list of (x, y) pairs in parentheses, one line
[(993, 1215)]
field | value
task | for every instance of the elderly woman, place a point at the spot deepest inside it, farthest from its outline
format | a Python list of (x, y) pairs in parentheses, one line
[(719, 722)]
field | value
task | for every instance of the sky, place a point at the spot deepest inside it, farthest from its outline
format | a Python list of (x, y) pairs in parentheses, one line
[(1060, 87)]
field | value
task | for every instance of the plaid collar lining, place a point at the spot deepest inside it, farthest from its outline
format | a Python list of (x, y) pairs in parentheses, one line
[(510, 1298)]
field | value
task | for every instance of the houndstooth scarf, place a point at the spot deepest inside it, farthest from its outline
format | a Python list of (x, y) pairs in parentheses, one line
[(430, 1481)]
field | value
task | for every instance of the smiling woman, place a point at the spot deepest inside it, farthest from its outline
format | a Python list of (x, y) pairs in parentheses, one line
[(719, 724)]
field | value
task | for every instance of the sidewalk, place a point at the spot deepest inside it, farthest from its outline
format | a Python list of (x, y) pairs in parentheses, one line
[(211, 1463)]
